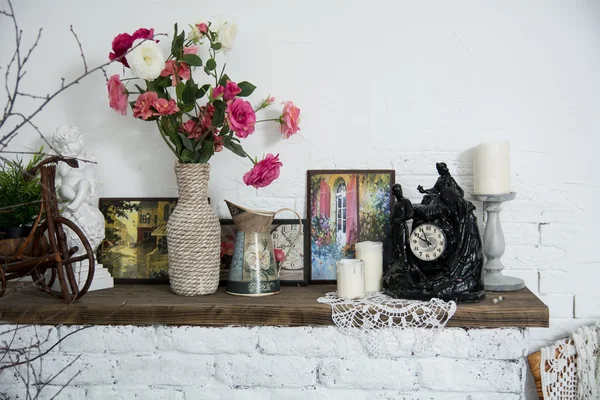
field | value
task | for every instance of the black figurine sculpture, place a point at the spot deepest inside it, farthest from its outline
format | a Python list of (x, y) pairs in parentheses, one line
[(442, 256)]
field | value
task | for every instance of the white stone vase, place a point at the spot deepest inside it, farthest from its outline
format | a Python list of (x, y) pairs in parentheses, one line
[(193, 235)]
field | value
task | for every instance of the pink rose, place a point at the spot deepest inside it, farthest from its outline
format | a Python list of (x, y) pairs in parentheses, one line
[(279, 255), (218, 143), (193, 49), (176, 71), (269, 101), (143, 105), (123, 42), (289, 120), (203, 28), (264, 172), (241, 117), (117, 95), (165, 107), (217, 92), (192, 129), (231, 90)]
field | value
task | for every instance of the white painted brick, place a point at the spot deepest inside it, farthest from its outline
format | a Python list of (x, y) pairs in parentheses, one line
[(308, 342), (14, 392), (192, 339), (266, 371), (216, 391), (368, 373), (587, 306), (533, 257), (516, 234), (560, 328), (108, 339), (164, 369), (446, 374), (125, 392), (498, 344), (571, 278), (83, 369), (560, 305)]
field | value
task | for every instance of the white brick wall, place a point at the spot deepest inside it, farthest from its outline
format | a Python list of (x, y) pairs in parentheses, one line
[(420, 82), (126, 362)]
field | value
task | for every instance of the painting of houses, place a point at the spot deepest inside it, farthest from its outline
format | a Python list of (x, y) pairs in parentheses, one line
[(135, 246), (345, 207)]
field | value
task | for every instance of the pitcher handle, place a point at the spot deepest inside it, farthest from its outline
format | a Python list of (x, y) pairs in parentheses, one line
[(296, 238)]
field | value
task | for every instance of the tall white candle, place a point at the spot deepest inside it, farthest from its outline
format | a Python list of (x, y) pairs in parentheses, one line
[(350, 279), (491, 168), (372, 254)]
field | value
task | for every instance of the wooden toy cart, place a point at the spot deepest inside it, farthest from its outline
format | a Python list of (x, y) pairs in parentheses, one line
[(44, 254)]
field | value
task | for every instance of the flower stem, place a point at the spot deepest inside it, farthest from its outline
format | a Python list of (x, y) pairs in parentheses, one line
[(166, 141), (248, 155), (265, 120)]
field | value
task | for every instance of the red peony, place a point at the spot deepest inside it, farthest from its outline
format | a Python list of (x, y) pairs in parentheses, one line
[(264, 172)]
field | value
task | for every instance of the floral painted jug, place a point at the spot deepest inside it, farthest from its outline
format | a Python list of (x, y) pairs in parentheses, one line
[(254, 268)]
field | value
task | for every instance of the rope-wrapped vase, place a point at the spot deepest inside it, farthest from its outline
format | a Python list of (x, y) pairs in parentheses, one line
[(193, 235)]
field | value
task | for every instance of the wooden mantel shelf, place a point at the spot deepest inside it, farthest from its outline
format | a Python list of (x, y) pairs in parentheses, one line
[(295, 306)]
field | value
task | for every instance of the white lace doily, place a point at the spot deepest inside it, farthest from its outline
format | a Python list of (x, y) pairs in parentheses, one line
[(366, 319), (570, 369)]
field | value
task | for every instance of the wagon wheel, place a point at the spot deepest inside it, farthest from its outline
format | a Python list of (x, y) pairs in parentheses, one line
[(63, 270), (2, 281)]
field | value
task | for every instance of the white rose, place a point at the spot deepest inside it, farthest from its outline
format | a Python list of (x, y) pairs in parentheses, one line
[(227, 33), (146, 60)]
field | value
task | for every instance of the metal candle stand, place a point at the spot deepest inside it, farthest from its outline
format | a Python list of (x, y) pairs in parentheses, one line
[(494, 246)]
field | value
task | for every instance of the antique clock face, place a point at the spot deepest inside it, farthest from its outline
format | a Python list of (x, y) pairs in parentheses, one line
[(283, 238), (427, 242)]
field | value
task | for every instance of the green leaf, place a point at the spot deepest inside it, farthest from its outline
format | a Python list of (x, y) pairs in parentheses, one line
[(162, 81), (211, 64), (224, 130), (247, 89), (203, 90), (216, 46), (206, 151), (234, 148), (224, 79), (186, 141), (192, 59), (179, 90), (187, 156), (189, 94), (140, 89), (219, 115), (188, 107)]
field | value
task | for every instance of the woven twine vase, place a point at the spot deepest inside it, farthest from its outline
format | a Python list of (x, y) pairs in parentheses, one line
[(193, 235)]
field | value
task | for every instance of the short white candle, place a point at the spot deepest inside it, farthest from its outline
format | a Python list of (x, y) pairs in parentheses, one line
[(350, 279), (372, 254), (491, 168)]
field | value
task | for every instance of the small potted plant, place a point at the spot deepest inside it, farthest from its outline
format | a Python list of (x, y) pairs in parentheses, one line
[(19, 199)]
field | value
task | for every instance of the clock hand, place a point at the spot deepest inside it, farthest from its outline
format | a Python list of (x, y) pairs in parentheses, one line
[(425, 240)]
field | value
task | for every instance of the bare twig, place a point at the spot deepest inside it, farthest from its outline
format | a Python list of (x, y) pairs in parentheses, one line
[(85, 67)]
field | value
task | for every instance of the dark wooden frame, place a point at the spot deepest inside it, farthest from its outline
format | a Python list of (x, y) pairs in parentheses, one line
[(141, 281), (305, 270), (309, 175)]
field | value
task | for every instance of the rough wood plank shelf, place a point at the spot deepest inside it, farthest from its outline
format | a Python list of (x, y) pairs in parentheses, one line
[(295, 306)]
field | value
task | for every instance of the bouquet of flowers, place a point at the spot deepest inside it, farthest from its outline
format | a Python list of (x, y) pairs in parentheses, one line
[(195, 120)]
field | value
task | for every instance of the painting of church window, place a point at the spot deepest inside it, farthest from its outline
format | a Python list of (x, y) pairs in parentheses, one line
[(135, 246), (345, 207)]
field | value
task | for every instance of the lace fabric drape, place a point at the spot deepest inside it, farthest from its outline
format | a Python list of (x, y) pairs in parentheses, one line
[(570, 369), (375, 318)]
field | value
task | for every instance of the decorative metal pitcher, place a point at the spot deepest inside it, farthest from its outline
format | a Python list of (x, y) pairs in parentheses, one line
[(254, 269)]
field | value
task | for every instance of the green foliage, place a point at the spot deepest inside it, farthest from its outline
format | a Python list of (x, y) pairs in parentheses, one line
[(117, 209), (247, 89), (15, 191), (192, 60)]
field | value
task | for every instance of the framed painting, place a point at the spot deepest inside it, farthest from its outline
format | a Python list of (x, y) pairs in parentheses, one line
[(284, 233), (345, 207), (135, 248)]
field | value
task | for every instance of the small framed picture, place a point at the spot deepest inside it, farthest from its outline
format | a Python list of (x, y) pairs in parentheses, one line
[(345, 207), (287, 235), (135, 248)]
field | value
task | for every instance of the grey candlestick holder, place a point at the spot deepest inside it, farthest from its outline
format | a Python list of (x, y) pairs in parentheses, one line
[(494, 246)]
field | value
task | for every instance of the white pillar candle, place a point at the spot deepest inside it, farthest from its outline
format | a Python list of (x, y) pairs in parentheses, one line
[(491, 168), (350, 279), (372, 254)]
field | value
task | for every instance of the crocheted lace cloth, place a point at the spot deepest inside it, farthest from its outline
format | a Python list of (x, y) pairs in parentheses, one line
[(570, 369), (366, 319)]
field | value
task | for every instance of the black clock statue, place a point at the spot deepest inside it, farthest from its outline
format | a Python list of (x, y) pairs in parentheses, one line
[(441, 255)]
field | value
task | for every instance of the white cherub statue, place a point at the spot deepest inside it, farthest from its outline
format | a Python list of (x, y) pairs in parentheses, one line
[(77, 190)]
